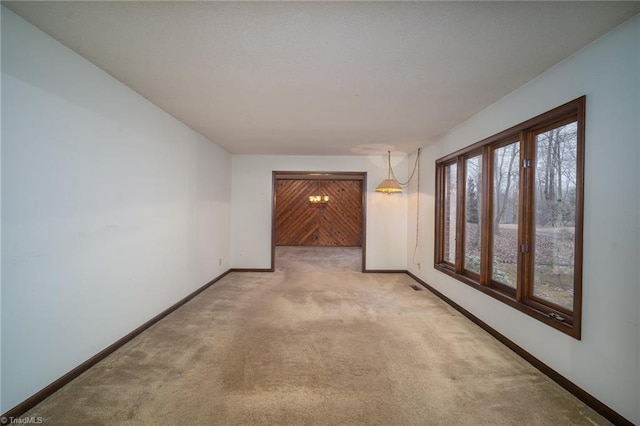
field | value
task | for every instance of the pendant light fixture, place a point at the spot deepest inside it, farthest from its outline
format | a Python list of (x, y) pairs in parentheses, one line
[(391, 185)]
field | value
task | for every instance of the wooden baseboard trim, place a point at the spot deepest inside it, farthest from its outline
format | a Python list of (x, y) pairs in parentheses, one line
[(597, 405), (384, 271), (252, 270), (44, 393), (574, 389)]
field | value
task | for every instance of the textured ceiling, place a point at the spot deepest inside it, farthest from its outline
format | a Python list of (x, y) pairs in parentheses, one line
[(324, 77)]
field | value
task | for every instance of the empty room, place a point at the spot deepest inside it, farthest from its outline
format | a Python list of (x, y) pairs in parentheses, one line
[(345, 213)]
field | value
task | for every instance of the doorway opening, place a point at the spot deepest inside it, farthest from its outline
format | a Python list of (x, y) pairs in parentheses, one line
[(319, 209)]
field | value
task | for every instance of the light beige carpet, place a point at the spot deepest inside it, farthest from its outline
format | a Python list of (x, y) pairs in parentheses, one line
[(315, 343)]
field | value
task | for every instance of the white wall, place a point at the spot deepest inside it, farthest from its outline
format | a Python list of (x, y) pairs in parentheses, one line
[(251, 206), (112, 210), (606, 362)]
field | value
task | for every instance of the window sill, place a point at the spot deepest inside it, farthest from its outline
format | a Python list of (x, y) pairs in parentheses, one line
[(566, 327)]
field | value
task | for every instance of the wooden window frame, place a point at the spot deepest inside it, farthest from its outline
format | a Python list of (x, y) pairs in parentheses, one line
[(440, 216), (463, 238), (522, 298)]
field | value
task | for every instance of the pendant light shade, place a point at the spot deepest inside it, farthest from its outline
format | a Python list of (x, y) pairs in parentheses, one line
[(389, 186)]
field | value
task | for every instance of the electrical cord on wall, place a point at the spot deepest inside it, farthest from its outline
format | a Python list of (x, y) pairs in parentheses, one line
[(415, 248), (416, 167)]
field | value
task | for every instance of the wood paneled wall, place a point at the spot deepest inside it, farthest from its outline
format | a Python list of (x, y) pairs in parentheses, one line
[(299, 222)]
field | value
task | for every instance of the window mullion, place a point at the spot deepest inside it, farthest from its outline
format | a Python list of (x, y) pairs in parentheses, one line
[(486, 227), (525, 219), (439, 234), (460, 215)]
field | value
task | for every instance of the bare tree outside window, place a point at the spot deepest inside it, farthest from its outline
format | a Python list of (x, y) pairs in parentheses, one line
[(555, 206), (473, 196), (506, 180), (451, 183)]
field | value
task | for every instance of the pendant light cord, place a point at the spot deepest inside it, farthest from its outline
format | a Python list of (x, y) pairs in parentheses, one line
[(415, 248), (415, 166)]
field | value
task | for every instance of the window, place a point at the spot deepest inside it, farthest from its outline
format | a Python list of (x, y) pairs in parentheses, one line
[(473, 214), (509, 216), (504, 226), (451, 177)]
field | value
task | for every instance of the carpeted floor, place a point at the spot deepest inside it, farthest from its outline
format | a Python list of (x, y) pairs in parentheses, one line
[(315, 343)]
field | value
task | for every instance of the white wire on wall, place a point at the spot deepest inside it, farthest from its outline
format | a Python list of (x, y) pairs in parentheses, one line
[(415, 249), (416, 167)]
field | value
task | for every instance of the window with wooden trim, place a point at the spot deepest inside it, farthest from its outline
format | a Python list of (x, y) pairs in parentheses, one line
[(509, 216)]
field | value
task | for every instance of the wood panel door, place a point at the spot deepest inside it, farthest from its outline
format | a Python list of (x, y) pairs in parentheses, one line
[(298, 222)]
